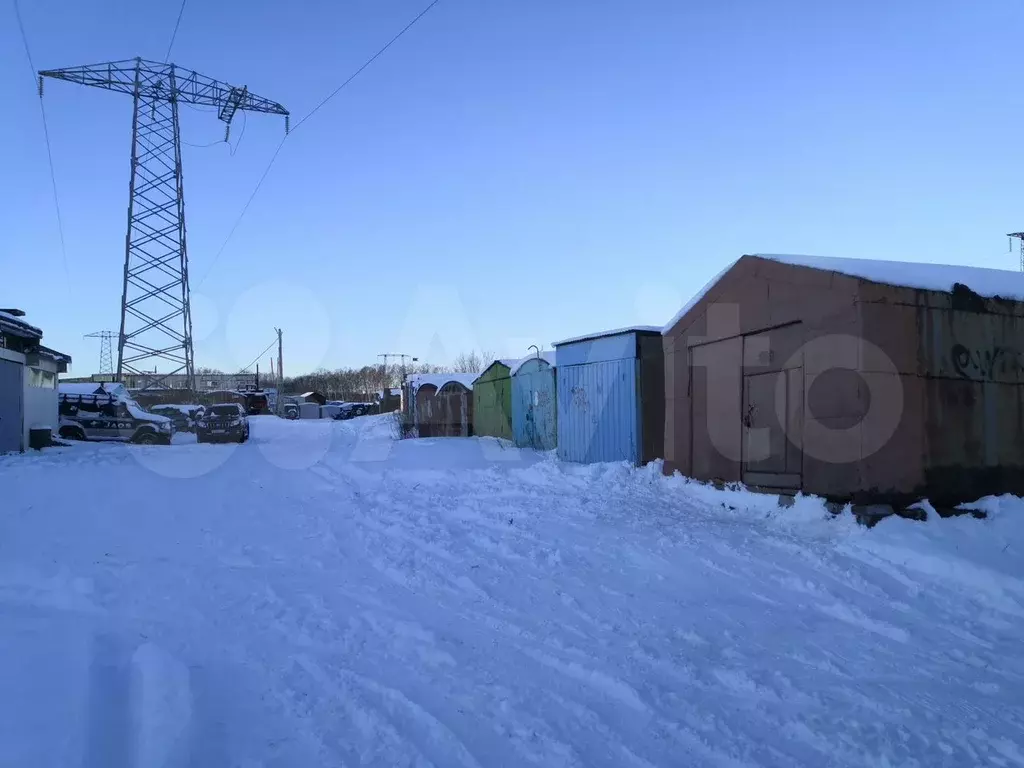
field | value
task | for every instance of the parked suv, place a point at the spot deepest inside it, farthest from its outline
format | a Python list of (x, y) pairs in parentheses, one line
[(225, 421), (107, 417)]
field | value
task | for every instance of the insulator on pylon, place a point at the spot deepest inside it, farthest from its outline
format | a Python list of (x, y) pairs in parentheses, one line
[(287, 124), (227, 131), (40, 86)]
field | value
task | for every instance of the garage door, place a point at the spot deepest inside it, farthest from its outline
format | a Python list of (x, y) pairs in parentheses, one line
[(10, 406), (773, 407)]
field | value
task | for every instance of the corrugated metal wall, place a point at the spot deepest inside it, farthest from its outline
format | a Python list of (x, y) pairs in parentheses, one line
[(534, 406), (896, 394), (492, 403), (426, 407), (598, 411), (454, 405)]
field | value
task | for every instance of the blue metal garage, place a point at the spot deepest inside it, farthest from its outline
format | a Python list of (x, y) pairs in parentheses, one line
[(534, 403), (611, 396)]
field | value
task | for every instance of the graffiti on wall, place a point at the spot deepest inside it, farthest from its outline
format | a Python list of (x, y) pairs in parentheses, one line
[(987, 363), (579, 397)]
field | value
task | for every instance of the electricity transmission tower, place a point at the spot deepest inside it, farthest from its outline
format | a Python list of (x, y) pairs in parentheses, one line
[(106, 357), (156, 317), (402, 357)]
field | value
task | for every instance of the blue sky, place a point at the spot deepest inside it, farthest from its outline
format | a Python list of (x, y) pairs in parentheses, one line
[(510, 172)]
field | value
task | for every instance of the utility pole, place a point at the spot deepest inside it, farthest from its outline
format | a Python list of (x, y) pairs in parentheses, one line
[(106, 356), (156, 314), (280, 374), (402, 357), (1019, 236)]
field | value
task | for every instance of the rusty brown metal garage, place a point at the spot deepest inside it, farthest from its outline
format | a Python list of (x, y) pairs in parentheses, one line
[(855, 380), (455, 407), (427, 410)]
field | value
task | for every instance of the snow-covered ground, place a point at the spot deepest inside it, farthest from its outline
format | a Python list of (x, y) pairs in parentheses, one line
[(323, 596)]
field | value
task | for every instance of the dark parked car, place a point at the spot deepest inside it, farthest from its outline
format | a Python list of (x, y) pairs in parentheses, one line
[(225, 421), (351, 410), (183, 416)]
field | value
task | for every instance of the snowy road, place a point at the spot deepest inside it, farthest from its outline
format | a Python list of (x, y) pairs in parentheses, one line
[(322, 596)]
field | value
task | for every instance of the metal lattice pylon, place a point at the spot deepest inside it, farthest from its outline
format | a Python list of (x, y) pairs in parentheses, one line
[(156, 317), (106, 356)]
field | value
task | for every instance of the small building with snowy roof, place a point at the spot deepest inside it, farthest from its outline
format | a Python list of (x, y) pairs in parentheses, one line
[(611, 396), (455, 407), (423, 397), (852, 379), (534, 402), (440, 404), (28, 384), (313, 397), (492, 400)]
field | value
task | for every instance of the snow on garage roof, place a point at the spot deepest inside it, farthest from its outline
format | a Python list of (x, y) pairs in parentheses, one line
[(548, 356), (53, 354), (465, 379), (613, 332), (438, 380), (906, 274), (929, 277), (17, 325), (507, 362)]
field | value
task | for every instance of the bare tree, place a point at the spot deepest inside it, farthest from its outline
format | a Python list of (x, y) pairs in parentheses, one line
[(360, 384), (471, 362)]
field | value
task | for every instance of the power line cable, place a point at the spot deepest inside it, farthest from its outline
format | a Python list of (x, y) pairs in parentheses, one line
[(273, 158), (202, 146), (245, 208), (232, 147), (259, 356), (174, 34), (49, 151), (367, 63), (245, 122)]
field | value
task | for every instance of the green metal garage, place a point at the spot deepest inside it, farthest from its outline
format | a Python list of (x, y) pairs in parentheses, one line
[(492, 400)]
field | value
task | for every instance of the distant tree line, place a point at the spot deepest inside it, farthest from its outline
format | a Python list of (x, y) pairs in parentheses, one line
[(361, 384)]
